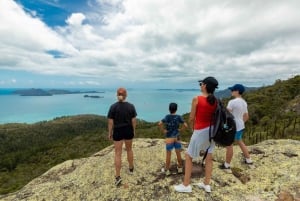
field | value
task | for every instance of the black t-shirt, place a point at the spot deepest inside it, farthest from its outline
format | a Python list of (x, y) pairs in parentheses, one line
[(122, 114)]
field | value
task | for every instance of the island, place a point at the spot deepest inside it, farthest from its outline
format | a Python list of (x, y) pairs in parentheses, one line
[(88, 96), (44, 92), (32, 92)]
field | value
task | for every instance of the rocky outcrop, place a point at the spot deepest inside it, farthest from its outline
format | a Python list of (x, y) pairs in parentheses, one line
[(275, 175)]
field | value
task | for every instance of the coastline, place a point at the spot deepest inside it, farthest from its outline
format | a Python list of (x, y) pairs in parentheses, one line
[(151, 104)]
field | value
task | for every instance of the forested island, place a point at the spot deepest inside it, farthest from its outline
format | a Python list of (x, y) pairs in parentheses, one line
[(44, 92)]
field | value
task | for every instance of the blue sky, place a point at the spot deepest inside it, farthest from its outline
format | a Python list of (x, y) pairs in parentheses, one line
[(147, 44)]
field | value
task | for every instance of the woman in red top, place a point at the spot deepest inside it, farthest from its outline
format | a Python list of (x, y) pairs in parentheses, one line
[(203, 107)]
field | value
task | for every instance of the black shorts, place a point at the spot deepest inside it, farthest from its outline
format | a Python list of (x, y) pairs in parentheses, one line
[(123, 133)]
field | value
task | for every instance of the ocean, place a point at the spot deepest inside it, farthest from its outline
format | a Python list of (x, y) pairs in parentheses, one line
[(151, 104)]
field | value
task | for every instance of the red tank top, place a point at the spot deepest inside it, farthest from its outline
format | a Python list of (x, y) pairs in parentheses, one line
[(204, 113)]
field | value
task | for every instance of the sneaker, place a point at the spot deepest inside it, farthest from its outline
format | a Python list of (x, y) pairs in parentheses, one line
[(183, 189), (131, 170), (168, 173), (226, 169), (118, 181), (248, 161), (205, 187), (223, 167), (179, 170)]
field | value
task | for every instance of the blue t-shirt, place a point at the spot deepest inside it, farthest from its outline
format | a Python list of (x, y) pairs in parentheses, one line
[(172, 122)]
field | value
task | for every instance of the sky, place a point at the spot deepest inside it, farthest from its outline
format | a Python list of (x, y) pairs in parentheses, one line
[(148, 43)]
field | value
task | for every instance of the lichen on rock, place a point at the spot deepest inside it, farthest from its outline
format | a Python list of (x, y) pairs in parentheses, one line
[(275, 175)]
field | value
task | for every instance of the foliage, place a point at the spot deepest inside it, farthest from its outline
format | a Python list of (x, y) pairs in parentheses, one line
[(27, 150), (274, 111)]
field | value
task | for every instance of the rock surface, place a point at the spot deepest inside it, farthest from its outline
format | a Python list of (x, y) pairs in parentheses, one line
[(275, 175)]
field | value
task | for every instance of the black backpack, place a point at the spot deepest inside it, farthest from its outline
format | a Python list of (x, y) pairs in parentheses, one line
[(223, 128)]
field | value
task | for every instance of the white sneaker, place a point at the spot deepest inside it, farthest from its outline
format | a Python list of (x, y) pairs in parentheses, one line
[(248, 161), (183, 189), (205, 187), (179, 170)]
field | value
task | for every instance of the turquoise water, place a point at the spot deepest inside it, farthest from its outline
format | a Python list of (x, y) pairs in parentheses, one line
[(151, 105)]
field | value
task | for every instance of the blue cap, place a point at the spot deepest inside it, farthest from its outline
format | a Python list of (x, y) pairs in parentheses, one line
[(237, 87)]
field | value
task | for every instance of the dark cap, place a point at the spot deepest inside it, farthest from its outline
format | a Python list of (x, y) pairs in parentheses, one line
[(237, 87), (211, 81)]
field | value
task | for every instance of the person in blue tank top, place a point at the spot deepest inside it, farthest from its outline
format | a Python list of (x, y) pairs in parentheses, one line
[(170, 126)]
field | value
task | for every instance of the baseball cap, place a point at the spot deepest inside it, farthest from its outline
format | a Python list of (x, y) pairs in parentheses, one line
[(237, 87), (210, 81)]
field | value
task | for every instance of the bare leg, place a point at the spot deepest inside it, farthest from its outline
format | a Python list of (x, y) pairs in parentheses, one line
[(168, 160), (208, 168), (243, 148), (179, 159), (128, 145), (118, 156), (188, 170), (229, 153)]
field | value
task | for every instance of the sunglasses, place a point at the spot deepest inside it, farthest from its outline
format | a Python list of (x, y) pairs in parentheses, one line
[(201, 83)]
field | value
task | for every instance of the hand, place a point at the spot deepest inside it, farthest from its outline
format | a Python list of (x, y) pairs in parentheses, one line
[(109, 136)]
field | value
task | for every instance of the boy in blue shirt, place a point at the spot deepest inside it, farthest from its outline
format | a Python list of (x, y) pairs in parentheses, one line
[(169, 125)]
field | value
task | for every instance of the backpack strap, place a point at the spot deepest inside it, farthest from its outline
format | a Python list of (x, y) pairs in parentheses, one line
[(204, 157), (210, 132), (210, 129), (213, 121)]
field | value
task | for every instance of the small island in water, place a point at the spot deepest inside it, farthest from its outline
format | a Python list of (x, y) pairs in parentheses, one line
[(43, 92), (88, 96)]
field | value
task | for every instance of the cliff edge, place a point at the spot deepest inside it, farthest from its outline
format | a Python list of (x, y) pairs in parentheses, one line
[(275, 175)]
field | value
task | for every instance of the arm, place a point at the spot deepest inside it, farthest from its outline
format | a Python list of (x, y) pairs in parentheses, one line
[(161, 126), (245, 117), (183, 127), (193, 112), (133, 122), (110, 128)]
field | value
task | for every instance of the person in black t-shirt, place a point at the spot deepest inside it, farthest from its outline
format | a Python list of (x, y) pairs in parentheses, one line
[(121, 128)]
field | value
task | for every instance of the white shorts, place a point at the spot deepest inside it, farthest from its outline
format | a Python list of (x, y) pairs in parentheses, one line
[(200, 141)]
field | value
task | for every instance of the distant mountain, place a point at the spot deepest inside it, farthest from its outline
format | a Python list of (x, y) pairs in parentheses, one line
[(43, 92), (226, 93)]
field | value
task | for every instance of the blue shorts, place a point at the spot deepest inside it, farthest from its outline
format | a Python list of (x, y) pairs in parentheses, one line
[(170, 146), (239, 134)]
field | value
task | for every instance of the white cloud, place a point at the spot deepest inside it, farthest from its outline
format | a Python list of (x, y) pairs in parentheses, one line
[(167, 41), (76, 19)]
